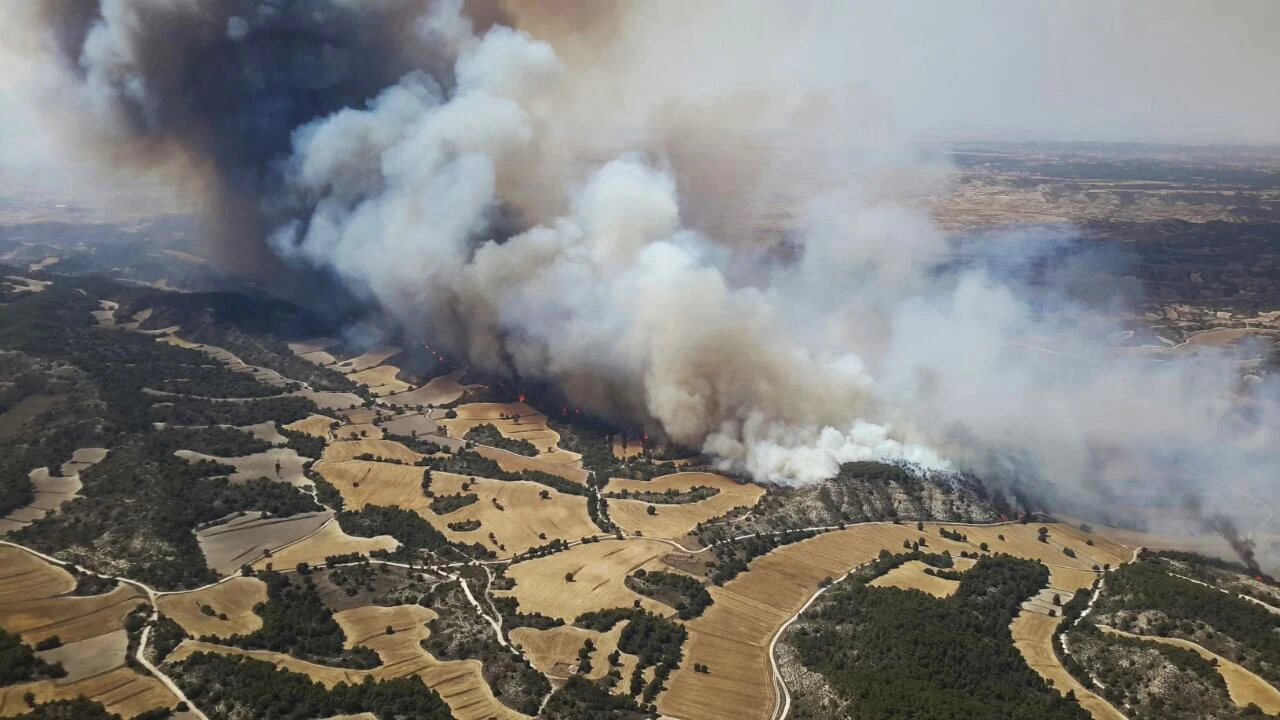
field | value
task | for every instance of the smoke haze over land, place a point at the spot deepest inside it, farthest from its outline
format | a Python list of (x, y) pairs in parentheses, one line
[(586, 195)]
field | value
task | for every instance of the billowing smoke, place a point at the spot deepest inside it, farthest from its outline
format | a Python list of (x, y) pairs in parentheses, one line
[(604, 214)]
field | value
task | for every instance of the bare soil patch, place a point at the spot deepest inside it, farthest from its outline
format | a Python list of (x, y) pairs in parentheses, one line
[(246, 538)]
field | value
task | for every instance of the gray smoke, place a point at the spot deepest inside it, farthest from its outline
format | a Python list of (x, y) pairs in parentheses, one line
[(605, 215)]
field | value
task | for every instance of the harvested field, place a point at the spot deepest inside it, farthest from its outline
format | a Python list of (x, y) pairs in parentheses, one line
[(89, 657), (328, 540), (524, 516), (106, 317), (26, 284), (513, 462), (459, 682), (420, 423), (313, 425), (302, 347), (72, 618), (438, 391), (372, 357), (381, 380), (517, 526), (344, 450), (235, 598), (1033, 637), (598, 571), (280, 464), (266, 432), (911, 576), (516, 421), (749, 609), (555, 651), (52, 491), (677, 520), (122, 691), (1243, 686), (248, 537), (24, 576), (329, 400)]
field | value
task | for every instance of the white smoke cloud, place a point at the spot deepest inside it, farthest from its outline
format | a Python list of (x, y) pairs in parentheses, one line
[(647, 285)]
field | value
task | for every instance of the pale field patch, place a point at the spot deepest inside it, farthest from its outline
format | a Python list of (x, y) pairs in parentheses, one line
[(1242, 685), (235, 598), (328, 540), (631, 448), (302, 347), (459, 682), (89, 657), (329, 399), (246, 538), (52, 491), (598, 570), (675, 520), (749, 609), (514, 462), (313, 425), (372, 357), (259, 465), (26, 284), (439, 390), (410, 423), (265, 431), (381, 380)]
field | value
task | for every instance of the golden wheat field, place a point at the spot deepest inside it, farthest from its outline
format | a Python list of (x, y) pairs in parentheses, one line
[(911, 576), (381, 380), (1033, 637), (234, 598), (598, 571), (328, 540), (438, 391), (121, 690), (343, 450), (555, 651), (459, 682), (314, 425), (677, 520), (749, 609), (516, 421)]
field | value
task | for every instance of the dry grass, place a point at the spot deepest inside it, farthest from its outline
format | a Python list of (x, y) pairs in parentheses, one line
[(26, 284), (313, 425), (1033, 637), (631, 449), (516, 421), (349, 449), (911, 576), (438, 391), (247, 538), (381, 380), (459, 682), (235, 598), (328, 540), (513, 462), (69, 617), (598, 571), (555, 651), (410, 423), (677, 520), (749, 609), (122, 691), (1243, 686)]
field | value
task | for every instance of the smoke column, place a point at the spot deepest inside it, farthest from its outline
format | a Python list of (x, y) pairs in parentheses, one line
[(594, 210)]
